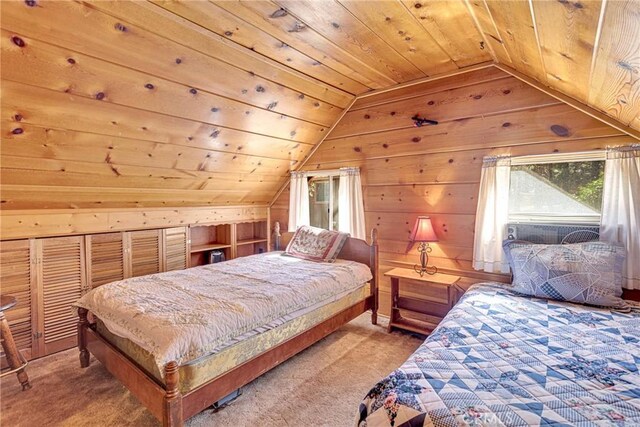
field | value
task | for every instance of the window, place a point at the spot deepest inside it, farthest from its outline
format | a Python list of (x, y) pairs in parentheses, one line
[(556, 188), (323, 200)]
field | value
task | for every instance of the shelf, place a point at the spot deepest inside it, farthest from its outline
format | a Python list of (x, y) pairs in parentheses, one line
[(209, 247), (413, 325), (251, 241)]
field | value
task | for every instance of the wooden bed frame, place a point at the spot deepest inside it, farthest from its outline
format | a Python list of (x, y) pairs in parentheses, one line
[(168, 404)]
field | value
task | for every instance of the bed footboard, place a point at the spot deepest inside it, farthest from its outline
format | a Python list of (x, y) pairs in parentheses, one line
[(172, 408), (164, 402)]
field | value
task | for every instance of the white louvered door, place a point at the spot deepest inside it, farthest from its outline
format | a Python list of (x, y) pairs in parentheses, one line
[(17, 265), (105, 258), (176, 248), (61, 282)]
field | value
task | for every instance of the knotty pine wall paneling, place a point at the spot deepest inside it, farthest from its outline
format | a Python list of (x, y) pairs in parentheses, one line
[(146, 109), (435, 170)]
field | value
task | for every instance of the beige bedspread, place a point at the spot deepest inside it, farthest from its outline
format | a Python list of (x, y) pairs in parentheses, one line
[(182, 315)]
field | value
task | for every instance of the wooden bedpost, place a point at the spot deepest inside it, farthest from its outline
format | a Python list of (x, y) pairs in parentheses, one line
[(83, 324), (172, 411), (374, 273)]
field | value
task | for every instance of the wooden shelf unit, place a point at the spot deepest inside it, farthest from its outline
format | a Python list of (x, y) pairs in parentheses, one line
[(251, 238), (235, 240), (207, 238)]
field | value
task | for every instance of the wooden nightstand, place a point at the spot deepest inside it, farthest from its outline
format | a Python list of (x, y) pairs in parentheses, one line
[(430, 312)]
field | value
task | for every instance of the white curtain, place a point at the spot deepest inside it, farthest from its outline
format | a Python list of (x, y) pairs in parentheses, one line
[(350, 204), (298, 201), (492, 215), (620, 221)]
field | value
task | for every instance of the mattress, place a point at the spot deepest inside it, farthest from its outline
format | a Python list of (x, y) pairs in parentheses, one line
[(500, 359), (239, 349), (183, 315)]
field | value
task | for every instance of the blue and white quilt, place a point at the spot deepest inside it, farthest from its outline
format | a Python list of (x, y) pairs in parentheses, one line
[(499, 359)]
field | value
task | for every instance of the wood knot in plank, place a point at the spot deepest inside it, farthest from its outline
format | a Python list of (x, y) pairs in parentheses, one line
[(560, 130), (279, 13), (18, 41)]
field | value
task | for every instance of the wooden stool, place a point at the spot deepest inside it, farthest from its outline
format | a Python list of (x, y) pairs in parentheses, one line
[(15, 359)]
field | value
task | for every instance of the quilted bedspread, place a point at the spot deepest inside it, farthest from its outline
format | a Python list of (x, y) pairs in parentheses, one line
[(499, 359), (182, 315)]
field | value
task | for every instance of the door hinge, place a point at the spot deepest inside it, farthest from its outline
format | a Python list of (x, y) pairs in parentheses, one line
[(37, 335)]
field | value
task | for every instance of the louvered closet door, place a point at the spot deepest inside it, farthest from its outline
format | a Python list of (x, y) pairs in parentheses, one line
[(175, 248), (61, 281), (16, 276), (105, 258), (143, 252)]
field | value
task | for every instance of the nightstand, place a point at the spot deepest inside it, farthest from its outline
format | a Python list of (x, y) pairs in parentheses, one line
[(430, 312)]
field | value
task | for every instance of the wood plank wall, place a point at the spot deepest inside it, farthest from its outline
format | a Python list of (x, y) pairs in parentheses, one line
[(435, 170), (22, 224)]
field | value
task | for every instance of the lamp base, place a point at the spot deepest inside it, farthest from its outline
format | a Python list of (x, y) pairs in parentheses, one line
[(421, 269), (432, 269)]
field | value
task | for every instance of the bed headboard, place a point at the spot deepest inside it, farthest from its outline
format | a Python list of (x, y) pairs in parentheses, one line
[(354, 249)]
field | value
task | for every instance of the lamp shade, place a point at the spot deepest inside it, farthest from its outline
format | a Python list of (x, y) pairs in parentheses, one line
[(423, 231)]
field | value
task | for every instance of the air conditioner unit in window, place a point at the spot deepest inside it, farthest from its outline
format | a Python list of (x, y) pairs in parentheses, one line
[(552, 234)]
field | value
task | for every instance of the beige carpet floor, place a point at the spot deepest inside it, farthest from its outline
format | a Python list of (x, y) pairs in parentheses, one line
[(322, 386)]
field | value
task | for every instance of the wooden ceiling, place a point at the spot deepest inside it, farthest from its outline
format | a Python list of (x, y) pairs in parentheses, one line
[(166, 103)]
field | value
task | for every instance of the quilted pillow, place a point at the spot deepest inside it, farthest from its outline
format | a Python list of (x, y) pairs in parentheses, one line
[(316, 244), (584, 273)]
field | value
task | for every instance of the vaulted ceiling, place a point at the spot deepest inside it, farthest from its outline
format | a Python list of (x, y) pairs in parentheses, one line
[(166, 103)]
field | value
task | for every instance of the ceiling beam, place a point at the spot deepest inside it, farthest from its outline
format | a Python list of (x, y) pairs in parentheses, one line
[(434, 77), (590, 111)]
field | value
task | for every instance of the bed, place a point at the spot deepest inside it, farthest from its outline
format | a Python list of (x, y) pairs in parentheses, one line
[(178, 359), (499, 358)]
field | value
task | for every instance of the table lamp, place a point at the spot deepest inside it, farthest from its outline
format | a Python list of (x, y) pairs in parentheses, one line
[(424, 233)]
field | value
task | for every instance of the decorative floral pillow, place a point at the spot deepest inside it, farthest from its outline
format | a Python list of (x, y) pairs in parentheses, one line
[(316, 244), (585, 273)]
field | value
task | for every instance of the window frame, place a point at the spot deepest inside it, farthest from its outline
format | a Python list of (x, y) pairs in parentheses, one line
[(588, 156), (330, 174)]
